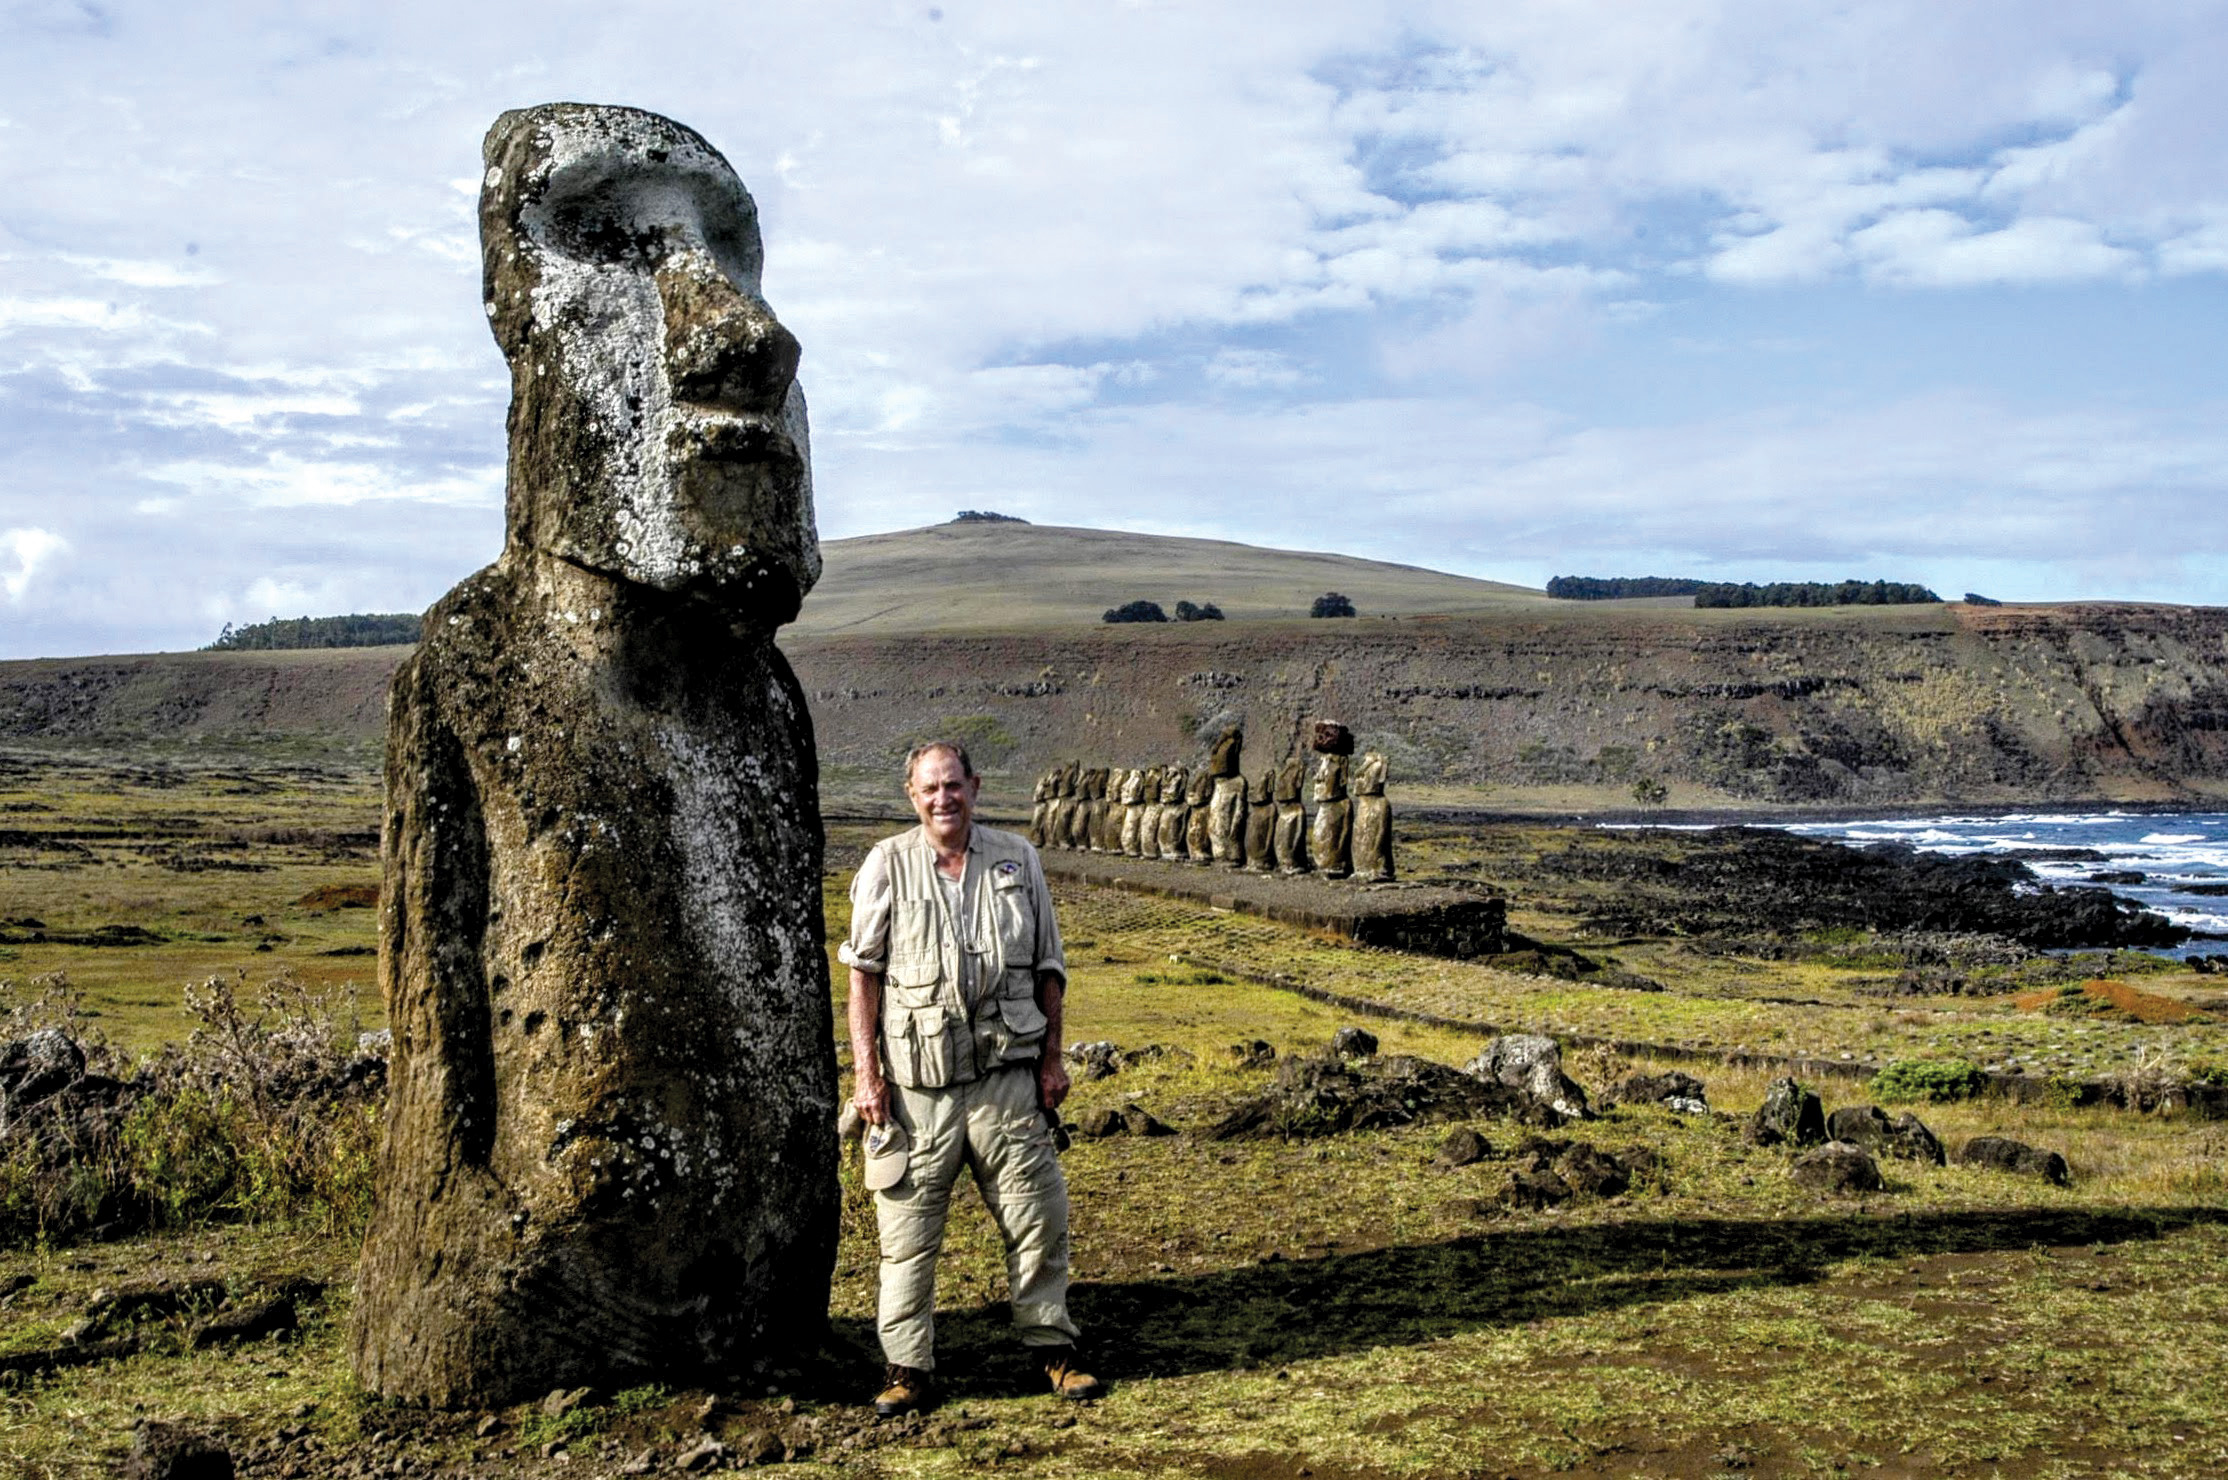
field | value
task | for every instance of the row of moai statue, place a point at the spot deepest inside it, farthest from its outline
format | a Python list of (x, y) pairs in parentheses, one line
[(1210, 816)]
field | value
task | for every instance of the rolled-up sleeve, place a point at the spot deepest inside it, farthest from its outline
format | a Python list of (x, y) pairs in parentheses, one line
[(867, 947), (1051, 956)]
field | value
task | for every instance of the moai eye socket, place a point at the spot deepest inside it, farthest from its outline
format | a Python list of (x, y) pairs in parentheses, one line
[(640, 217)]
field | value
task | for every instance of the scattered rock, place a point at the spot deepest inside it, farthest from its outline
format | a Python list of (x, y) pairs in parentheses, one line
[(562, 1401), (1461, 1148), (1906, 1137), (1095, 1060), (1532, 1191), (1790, 1115), (1126, 1120), (1591, 1173), (1533, 1064), (642, 1464), (1838, 1167), (248, 1323), (38, 1065), (172, 1451), (1325, 1095), (487, 1425), (2002, 1154), (1354, 1043), (1259, 1054), (757, 1447), (706, 1453), (1672, 1089)]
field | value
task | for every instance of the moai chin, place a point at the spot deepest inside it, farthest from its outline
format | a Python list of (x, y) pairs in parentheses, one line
[(1260, 818), (1199, 844), (1373, 851), (1290, 837), (610, 1145), (1175, 813), (1227, 808), (1330, 838)]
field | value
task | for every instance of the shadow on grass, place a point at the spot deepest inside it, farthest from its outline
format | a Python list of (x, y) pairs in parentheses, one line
[(1288, 1311)]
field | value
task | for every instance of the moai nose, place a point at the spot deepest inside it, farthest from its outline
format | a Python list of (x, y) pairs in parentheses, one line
[(723, 347)]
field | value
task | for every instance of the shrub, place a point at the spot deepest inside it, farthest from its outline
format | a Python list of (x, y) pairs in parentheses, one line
[(1186, 612), (1135, 611), (1935, 1081), (1649, 792), (986, 516), (357, 629), (1331, 604), (1974, 598)]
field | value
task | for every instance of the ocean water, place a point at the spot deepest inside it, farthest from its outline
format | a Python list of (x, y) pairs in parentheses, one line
[(2171, 851)]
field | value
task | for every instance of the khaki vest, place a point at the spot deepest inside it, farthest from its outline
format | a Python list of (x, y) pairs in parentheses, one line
[(932, 1035)]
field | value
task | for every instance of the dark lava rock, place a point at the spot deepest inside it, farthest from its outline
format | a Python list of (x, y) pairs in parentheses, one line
[(169, 1451), (1461, 1148), (610, 1134), (1259, 1054), (1127, 1120), (1677, 1091), (2002, 1154), (1592, 1173), (1790, 1114), (248, 1323), (1531, 1191), (1868, 1126), (1326, 1095), (1097, 1060), (1354, 1043), (1838, 1167), (38, 1065), (1532, 1064), (2117, 876)]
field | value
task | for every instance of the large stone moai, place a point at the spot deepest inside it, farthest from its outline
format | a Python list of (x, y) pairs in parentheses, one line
[(1149, 815), (1290, 837), (1094, 810), (1133, 806), (1226, 826), (1175, 811), (1260, 839), (1373, 839), (1064, 809), (1330, 839), (1040, 810), (610, 1135), (1199, 797)]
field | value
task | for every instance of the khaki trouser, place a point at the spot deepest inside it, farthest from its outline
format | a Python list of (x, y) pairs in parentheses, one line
[(994, 1128)]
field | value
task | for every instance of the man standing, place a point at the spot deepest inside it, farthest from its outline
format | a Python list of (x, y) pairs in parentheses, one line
[(957, 980)]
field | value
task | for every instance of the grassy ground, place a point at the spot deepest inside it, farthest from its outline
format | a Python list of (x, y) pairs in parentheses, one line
[(1340, 1307)]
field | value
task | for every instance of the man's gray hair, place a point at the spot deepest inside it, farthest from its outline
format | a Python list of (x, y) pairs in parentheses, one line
[(958, 751)]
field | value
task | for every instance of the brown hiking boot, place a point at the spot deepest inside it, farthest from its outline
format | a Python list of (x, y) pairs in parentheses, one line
[(1069, 1380), (904, 1390)]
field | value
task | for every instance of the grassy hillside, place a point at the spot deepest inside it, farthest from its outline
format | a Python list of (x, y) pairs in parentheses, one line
[(971, 577)]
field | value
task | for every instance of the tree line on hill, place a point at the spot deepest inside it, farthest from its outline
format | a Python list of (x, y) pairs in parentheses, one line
[(1744, 593), (357, 629), (1329, 604)]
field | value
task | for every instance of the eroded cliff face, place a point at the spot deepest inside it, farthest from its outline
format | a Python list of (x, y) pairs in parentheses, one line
[(1858, 706), (1948, 703)]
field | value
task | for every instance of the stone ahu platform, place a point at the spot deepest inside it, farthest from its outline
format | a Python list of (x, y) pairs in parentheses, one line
[(1427, 918)]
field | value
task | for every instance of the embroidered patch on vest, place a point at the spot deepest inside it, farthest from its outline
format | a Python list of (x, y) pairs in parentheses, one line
[(1008, 869)]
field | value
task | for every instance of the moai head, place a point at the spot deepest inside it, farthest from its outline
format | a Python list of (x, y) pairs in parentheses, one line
[(1330, 778), (1290, 778), (1264, 787), (1224, 758), (1097, 784), (1044, 787), (1133, 786), (1329, 737), (657, 434), (1173, 779), (1069, 778), (1202, 788), (1368, 779)]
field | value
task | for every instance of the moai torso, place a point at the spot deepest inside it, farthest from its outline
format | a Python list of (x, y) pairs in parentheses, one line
[(1290, 837), (1373, 854), (1260, 818), (1198, 825), (1227, 806), (1331, 837), (1174, 814), (1096, 811), (609, 1146), (1040, 807)]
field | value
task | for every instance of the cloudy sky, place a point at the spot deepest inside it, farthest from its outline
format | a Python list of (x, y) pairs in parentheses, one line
[(1742, 290)]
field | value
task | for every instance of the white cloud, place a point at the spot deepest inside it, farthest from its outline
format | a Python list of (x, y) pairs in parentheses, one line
[(1942, 249), (26, 550)]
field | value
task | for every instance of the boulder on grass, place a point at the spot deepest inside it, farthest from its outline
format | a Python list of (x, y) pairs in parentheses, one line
[(1533, 1064), (1354, 1043), (171, 1451), (1840, 1167), (1670, 1089), (1905, 1137), (1790, 1115), (1462, 1147), (2002, 1154)]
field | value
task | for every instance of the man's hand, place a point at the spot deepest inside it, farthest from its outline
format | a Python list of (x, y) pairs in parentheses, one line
[(870, 1096), (1052, 1082)]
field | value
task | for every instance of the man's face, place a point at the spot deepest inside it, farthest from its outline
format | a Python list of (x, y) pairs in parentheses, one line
[(669, 442), (943, 796)]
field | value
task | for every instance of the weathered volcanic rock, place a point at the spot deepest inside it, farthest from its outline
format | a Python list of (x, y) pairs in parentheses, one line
[(1673, 1089), (2002, 1154), (610, 1137), (1373, 853), (1290, 837), (1789, 1115), (1531, 1063), (1324, 1095), (1260, 815), (1837, 1167), (1331, 835), (1905, 1137)]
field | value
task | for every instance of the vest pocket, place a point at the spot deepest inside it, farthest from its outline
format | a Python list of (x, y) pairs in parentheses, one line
[(918, 1047)]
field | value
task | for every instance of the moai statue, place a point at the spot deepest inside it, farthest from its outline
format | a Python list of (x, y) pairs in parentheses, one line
[(610, 1131), (1040, 809), (1260, 838), (1094, 810), (1291, 817), (1133, 810), (1175, 811), (1331, 837), (1373, 837), (1226, 827), (1063, 810), (1199, 822), (1149, 815)]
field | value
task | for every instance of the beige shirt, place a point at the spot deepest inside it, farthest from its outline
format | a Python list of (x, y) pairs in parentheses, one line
[(867, 947)]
